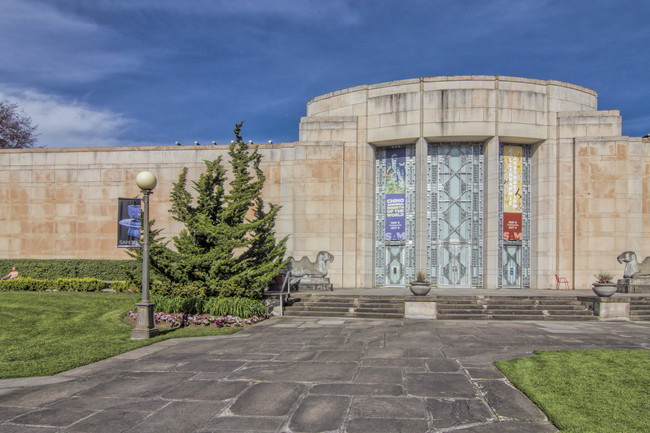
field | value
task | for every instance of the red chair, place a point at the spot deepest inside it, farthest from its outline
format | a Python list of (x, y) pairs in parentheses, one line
[(561, 280)]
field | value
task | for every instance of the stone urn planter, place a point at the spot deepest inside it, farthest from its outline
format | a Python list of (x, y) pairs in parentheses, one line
[(419, 288), (604, 290), (421, 285), (604, 287)]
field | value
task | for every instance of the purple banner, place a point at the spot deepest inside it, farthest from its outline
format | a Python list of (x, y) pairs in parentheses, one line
[(396, 194), (128, 222)]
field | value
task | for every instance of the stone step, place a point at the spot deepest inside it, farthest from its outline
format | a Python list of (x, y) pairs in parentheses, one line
[(538, 313), (534, 302), (399, 309), (332, 300), (566, 301), (359, 315), (508, 298), (353, 304), (584, 312), (444, 316), (575, 318), (480, 310), (312, 309), (568, 306)]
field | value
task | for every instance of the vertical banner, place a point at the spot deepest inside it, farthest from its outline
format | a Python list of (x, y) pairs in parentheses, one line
[(129, 211), (396, 194), (512, 193)]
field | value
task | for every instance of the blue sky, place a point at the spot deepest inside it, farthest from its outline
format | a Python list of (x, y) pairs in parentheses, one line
[(151, 72)]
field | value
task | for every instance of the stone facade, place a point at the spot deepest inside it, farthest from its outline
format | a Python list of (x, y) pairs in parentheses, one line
[(588, 184)]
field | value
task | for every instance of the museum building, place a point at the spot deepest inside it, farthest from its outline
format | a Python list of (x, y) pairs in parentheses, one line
[(477, 181)]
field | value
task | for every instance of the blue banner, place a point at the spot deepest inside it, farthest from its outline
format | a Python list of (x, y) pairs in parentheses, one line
[(129, 220), (396, 194)]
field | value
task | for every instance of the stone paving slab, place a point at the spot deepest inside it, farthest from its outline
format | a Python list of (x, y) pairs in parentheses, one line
[(294, 375)]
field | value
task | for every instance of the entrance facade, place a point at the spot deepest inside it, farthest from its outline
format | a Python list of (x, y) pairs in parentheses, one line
[(455, 214), (514, 211), (452, 229), (395, 216)]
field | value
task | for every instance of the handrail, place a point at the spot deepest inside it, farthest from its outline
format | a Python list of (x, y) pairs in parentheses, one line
[(286, 283)]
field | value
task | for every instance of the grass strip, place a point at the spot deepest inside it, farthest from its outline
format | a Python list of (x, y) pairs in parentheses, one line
[(587, 390), (44, 333)]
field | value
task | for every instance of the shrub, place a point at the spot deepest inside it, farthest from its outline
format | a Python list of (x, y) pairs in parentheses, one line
[(198, 288), (123, 286), (175, 290), (24, 285), (60, 284), (239, 307), (193, 305), (166, 304), (49, 269)]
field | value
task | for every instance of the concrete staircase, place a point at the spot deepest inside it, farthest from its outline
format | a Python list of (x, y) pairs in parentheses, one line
[(449, 307), (640, 308), (369, 307), (512, 308)]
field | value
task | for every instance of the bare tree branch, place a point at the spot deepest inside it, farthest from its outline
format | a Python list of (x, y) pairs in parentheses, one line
[(16, 130)]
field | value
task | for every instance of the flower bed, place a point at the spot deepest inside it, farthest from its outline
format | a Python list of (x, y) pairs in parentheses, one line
[(182, 320)]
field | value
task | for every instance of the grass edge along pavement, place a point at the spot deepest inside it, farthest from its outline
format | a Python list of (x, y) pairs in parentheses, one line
[(44, 333), (587, 391)]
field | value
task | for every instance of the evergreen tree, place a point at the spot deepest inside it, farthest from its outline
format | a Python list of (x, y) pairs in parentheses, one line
[(228, 245)]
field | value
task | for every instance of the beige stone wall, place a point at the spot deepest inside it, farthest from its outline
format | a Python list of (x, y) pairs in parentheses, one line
[(460, 107), (63, 202), (608, 210), (589, 185)]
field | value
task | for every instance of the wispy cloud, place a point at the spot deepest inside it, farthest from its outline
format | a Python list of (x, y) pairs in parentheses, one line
[(299, 9), (69, 123), (57, 46)]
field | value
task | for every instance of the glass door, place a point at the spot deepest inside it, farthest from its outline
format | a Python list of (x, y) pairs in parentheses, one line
[(511, 265), (395, 266), (455, 265), (454, 210)]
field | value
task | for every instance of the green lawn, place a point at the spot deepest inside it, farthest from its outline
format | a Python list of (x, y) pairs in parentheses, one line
[(43, 333), (587, 391)]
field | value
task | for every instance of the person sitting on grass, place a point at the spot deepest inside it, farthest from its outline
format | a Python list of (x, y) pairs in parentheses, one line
[(11, 275)]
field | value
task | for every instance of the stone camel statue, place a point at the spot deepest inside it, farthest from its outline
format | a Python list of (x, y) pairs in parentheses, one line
[(634, 269), (305, 267)]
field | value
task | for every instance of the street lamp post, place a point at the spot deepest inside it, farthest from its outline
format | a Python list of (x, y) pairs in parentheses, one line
[(144, 324)]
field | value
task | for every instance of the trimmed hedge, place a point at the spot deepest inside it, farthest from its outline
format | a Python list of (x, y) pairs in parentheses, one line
[(64, 285), (230, 306), (50, 269)]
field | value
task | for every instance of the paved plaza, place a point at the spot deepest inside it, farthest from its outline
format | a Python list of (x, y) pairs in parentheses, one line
[(310, 375)]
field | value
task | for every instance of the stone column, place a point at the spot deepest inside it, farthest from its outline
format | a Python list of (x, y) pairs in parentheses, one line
[(491, 214), (421, 183)]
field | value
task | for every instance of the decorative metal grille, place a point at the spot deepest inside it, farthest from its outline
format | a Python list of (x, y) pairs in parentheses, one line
[(395, 265), (455, 214), (511, 257), (394, 257), (514, 260), (380, 221)]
